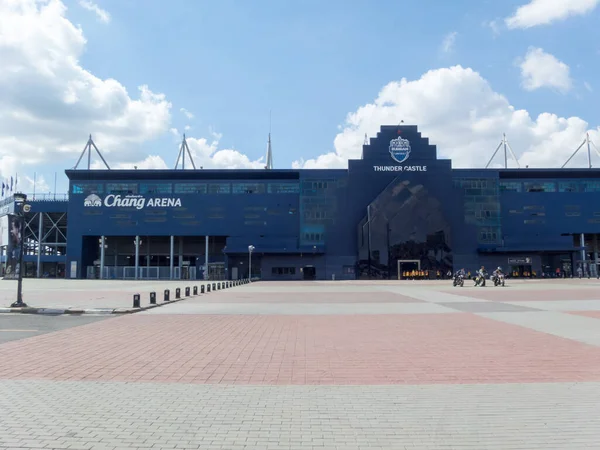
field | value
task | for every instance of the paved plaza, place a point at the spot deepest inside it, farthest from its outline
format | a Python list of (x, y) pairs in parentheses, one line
[(318, 365), (87, 294)]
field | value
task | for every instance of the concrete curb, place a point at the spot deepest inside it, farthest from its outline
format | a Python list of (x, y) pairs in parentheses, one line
[(96, 311), (79, 311)]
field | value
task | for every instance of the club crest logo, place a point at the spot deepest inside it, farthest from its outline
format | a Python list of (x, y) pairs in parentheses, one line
[(399, 149), (93, 201)]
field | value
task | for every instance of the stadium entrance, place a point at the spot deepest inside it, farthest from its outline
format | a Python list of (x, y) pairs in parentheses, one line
[(407, 267), (154, 257)]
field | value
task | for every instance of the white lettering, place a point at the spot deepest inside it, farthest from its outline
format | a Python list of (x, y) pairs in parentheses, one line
[(400, 168), (139, 202)]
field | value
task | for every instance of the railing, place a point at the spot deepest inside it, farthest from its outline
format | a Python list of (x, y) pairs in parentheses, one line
[(48, 197)]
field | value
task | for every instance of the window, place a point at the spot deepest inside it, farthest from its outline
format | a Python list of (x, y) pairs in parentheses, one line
[(88, 188), (219, 188), (313, 237), (283, 188), (283, 270), (122, 188), (348, 270), (316, 186), (156, 188), (547, 186), (190, 188), (248, 188), (534, 221), (568, 186), (510, 186), (488, 235), (591, 186)]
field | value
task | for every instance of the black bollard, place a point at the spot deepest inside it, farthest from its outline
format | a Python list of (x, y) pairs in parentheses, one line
[(202, 289), (136, 300), (195, 290), (208, 287), (177, 293), (214, 287), (167, 295), (153, 298), (187, 291), (219, 285)]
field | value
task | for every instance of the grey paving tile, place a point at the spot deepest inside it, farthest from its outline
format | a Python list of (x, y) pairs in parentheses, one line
[(569, 326), (460, 417)]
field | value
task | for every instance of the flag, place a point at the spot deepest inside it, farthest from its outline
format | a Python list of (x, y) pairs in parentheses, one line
[(16, 181), (11, 184), (2, 189)]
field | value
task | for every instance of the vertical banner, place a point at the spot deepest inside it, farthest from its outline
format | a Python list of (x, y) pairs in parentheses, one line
[(15, 240), (3, 231)]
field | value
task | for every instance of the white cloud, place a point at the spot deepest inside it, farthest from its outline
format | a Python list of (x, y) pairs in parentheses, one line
[(186, 113), (102, 15), (38, 184), (544, 12), (449, 41), (494, 26), (49, 103), (459, 111), (206, 154), (540, 69)]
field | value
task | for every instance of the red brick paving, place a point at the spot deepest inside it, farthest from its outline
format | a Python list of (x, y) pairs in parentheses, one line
[(307, 297), (508, 294), (367, 349)]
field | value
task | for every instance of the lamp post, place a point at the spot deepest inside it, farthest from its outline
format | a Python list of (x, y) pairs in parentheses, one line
[(250, 250), (20, 209)]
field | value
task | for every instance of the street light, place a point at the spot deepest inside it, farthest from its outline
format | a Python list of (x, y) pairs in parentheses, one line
[(20, 209), (250, 250)]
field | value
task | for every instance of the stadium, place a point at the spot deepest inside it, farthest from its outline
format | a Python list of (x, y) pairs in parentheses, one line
[(398, 211)]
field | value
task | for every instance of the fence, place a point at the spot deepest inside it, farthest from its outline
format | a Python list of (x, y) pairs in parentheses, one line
[(144, 273)]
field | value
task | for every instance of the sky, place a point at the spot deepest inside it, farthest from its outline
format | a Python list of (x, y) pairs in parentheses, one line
[(318, 75)]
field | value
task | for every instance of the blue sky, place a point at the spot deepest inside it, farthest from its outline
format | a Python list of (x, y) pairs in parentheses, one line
[(312, 63)]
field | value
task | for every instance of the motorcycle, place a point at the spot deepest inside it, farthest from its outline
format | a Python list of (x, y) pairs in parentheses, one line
[(498, 280), (480, 280), (459, 280)]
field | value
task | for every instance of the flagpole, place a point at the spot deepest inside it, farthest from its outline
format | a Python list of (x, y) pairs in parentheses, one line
[(34, 178), (54, 185)]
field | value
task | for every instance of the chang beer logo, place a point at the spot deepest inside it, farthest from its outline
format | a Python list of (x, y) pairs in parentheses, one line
[(130, 201), (399, 149), (92, 201)]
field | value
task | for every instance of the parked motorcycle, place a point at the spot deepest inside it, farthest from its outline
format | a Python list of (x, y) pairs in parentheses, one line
[(459, 280), (498, 280)]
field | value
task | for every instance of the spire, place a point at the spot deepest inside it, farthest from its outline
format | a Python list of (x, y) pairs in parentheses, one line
[(269, 165), (507, 149), (587, 141), (183, 150), (88, 149)]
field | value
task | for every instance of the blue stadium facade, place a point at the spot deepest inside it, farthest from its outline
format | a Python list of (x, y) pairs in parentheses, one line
[(398, 208)]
